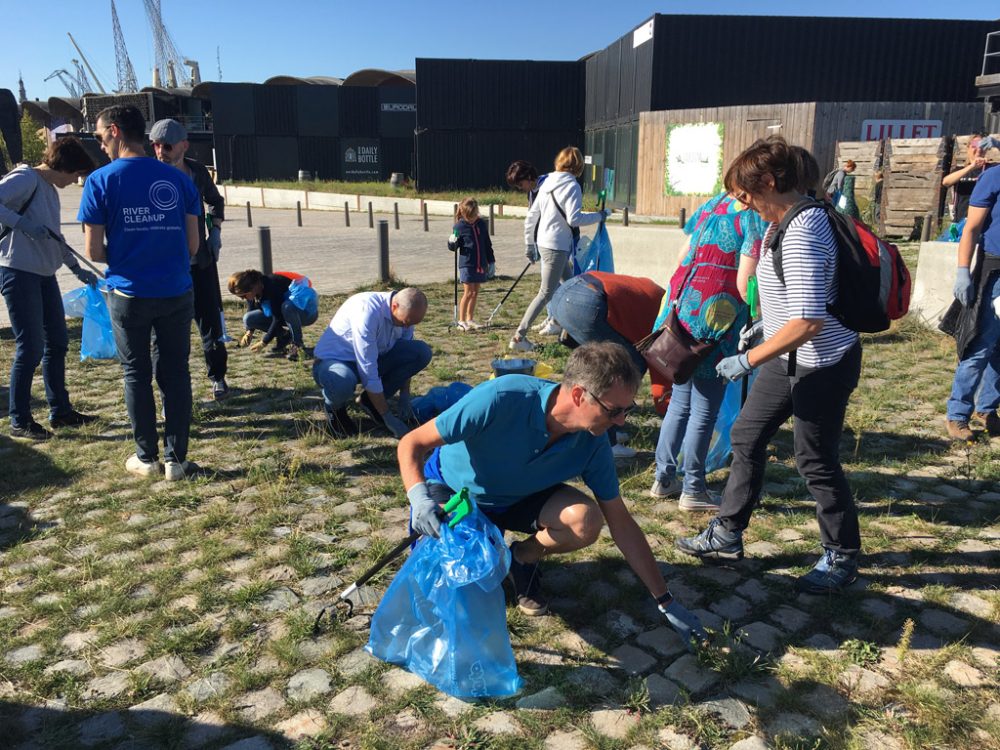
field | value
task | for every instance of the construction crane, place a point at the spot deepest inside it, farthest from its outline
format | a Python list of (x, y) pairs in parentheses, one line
[(127, 83), (169, 62), (86, 62), (81, 75), (72, 85)]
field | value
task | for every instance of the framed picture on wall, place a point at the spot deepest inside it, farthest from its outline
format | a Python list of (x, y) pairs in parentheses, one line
[(693, 159)]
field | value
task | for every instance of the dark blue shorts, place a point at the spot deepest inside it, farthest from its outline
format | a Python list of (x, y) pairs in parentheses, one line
[(471, 276)]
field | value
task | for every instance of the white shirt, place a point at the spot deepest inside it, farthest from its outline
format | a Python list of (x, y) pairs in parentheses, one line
[(553, 231)]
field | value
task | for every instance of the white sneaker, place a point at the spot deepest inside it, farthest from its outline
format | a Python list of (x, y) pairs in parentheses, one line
[(462, 325), (471, 325), (174, 472), (670, 489), (551, 329), (135, 465), (520, 345), (622, 451), (540, 326), (707, 500)]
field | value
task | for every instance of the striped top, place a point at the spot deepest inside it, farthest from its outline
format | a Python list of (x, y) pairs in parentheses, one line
[(809, 259)]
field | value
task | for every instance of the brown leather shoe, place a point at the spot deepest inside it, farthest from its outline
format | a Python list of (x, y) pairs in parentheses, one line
[(992, 421), (960, 431)]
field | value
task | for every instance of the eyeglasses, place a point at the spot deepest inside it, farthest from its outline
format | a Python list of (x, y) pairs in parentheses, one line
[(168, 147), (613, 412), (743, 197)]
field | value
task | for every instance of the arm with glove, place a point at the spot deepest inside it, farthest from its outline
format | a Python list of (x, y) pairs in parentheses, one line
[(411, 452), (964, 290)]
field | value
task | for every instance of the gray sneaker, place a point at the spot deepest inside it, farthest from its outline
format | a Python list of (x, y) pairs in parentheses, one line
[(707, 501), (670, 489)]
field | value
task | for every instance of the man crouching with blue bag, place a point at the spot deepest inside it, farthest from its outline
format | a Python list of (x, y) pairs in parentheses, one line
[(513, 442)]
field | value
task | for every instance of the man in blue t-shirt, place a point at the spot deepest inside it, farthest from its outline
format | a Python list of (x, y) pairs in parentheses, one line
[(513, 442), (149, 213), (976, 387)]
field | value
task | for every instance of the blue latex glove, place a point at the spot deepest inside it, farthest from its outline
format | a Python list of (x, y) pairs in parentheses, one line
[(963, 290), (394, 424), (215, 242), (531, 253), (607, 213), (685, 622), (87, 277), (30, 228), (734, 368), (423, 511)]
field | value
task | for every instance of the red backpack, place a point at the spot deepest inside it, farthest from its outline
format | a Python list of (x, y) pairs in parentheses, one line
[(873, 281)]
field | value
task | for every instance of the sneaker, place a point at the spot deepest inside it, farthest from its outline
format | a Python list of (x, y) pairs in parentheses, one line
[(670, 489), (991, 420), (832, 572), (175, 471), (623, 451), (135, 465), (366, 404), (540, 326), (220, 389), (551, 328), (525, 580), (282, 340), (340, 423), (707, 500), (462, 325), (72, 418), (293, 353), (471, 325), (960, 431), (714, 543), (31, 431), (520, 345)]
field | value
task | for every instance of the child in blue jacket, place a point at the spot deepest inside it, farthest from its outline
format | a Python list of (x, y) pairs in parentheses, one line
[(470, 238)]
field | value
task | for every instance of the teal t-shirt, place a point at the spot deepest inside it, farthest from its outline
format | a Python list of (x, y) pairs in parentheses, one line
[(495, 445), (143, 206)]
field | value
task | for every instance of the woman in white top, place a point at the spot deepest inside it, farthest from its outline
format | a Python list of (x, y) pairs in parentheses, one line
[(551, 229), (809, 366)]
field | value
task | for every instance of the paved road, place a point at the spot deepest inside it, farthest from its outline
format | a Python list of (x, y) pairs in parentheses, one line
[(336, 258)]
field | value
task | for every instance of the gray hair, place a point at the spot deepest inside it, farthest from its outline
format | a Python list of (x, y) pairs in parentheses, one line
[(601, 365), (410, 298)]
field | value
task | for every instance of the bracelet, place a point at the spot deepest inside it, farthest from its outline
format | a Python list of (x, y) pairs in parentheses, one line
[(664, 600)]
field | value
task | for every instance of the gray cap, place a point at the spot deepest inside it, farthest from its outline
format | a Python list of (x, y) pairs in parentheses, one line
[(167, 131)]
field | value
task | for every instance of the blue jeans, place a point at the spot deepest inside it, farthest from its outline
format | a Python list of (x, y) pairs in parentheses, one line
[(339, 379), (688, 427), (977, 377), (141, 323), (295, 319), (39, 325)]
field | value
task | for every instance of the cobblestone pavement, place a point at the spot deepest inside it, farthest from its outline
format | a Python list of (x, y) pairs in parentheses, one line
[(144, 614)]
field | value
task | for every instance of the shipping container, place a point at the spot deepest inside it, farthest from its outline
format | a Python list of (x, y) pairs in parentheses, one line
[(233, 108), (358, 111), (318, 111), (236, 157), (397, 156), (277, 157), (320, 156), (275, 110), (397, 116)]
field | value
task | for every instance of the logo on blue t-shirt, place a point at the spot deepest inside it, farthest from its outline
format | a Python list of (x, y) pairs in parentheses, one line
[(164, 195)]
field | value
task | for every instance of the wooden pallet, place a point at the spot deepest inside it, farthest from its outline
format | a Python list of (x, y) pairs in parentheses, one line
[(912, 171)]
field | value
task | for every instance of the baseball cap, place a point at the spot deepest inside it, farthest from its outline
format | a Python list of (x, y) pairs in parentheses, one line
[(167, 131)]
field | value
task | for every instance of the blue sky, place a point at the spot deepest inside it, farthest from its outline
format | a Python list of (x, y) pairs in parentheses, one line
[(258, 39)]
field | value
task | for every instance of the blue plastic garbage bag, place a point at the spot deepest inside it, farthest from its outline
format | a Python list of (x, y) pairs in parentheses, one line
[(443, 617), (98, 340), (304, 296), (437, 399), (721, 447), (595, 256)]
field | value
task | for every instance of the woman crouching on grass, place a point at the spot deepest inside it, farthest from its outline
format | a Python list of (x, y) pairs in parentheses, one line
[(470, 238)]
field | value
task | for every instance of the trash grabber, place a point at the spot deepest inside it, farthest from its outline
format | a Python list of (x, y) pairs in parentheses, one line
[(496, 309), (458, 507), (456, 288), (58, 238)]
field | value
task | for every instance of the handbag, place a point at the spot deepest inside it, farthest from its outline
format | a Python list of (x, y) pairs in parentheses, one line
[(672, 351)]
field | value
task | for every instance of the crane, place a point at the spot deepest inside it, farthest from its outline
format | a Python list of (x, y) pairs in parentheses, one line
[(169, 62), (127, 83), (72, 85), (81, 75), (87, 63)]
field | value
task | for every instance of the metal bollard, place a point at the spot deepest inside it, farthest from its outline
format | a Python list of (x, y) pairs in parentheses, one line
[(371, 216), (925, 230), (347, 215), (426, 225), (684, 215), (492, 231), (395, 213), (264, 240), (298, 212), (625, 216), (383, 249), (249, 217)]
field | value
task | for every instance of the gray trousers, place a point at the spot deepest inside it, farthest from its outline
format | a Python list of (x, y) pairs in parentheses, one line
[(556, 268)]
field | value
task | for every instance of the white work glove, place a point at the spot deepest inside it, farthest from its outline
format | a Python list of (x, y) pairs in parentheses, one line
[(751, 336), (394, 424), (424, 511), (531, 253)]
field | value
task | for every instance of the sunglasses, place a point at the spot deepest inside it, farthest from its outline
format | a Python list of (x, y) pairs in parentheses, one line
[(168, 147), (613, 412)]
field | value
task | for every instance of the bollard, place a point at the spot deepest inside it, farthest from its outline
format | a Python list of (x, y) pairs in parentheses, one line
[(298, 212), (347, 215), (625, 216), (395, 213), (264, 240), (454, 211), (371, 216), (426, 226), (383, 250), (249, 217), (492, 232), (683, 217), (925, 230)]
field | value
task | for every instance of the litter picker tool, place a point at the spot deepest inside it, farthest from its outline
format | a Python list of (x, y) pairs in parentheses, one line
[(458, 507), (489, 320), (59, 238), (455, 322)]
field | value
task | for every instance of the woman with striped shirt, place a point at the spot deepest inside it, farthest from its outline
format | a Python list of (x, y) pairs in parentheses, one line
[(809, 366)]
